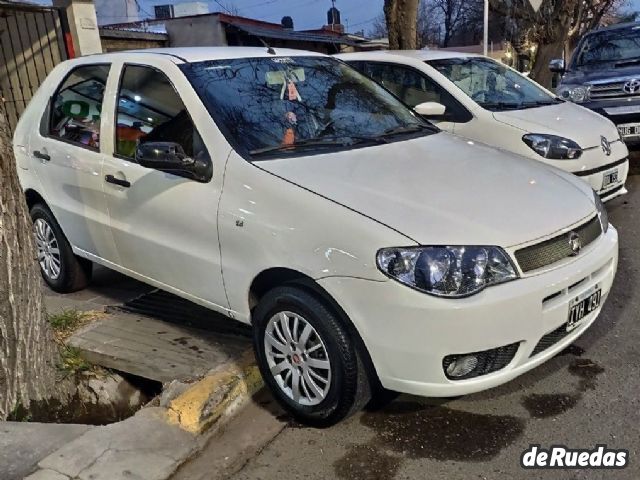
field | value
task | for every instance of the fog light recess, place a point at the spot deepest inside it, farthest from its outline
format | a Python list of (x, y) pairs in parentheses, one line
[(471, 365)]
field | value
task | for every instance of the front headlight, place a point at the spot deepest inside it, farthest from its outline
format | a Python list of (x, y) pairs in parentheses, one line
[(574, 93), (552, 146), (602, 212), (447, 271)]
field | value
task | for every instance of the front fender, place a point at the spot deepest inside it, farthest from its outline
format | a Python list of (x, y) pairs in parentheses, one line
[(265, 222)]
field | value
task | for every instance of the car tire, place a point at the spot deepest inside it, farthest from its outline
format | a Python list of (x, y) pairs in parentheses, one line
[(63, 271), (332, 383)]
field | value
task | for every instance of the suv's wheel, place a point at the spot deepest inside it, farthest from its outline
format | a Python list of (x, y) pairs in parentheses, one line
[(61, 269), (307, 357)]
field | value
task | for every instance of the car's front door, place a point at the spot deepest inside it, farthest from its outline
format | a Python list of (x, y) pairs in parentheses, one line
[(164, 225), (68, 146), (413, 88)]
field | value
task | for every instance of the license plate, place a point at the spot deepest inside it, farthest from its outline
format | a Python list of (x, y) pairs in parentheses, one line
[(583, 306), (629, 130), (609, 178)]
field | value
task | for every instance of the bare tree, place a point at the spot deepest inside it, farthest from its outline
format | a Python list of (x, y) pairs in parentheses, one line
[(402, 19), (552, 27), (378, 27), (28, 353)]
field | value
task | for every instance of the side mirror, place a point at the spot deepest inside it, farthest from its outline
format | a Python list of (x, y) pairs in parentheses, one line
[(557, 65), (430, 109), (170, 157)]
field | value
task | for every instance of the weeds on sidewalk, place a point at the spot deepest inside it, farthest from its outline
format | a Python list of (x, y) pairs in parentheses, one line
[(64, 324)]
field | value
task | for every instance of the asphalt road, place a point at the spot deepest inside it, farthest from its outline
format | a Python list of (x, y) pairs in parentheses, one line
[(586, 396)]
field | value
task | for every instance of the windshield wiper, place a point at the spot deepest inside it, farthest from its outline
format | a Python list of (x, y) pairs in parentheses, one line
[(631, 61), (342, 141), (413, 128), (501, 105)]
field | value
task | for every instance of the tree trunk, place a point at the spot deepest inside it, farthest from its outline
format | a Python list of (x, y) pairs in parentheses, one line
[(402, 19), (545, 53), (28, 353)]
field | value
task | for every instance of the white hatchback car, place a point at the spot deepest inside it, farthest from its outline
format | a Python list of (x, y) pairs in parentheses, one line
[(286, 190), (478, 98)]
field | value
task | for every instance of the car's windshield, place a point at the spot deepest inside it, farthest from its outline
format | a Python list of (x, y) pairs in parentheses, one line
[(491, 84), (288, 105), (609, 46)]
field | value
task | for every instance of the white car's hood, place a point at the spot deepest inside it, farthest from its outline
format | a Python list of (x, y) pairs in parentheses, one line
[(565, 119), (444, 190)]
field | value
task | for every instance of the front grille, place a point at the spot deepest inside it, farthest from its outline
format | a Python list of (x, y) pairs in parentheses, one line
[(558, 248), (489, 361), (613, 191), (550, 339), (610, 91)]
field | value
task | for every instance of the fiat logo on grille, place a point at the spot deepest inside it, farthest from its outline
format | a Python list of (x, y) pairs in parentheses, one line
[(606, 145), (575, 243), (632, 86)]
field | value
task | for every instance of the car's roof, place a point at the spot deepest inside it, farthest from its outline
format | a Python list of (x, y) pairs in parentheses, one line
[(199, 54), (421, 55), (617, 26)]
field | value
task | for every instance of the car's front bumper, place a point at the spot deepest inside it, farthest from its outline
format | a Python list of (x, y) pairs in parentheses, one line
[(620, 111), (408, 333), (596, 178)]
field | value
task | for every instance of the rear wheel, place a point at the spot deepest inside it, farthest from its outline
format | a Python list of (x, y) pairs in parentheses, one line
[(63, 271), (307, 357)]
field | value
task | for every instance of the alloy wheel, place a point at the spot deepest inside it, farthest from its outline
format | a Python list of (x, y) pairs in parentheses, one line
[(47, 249), (297, 358)]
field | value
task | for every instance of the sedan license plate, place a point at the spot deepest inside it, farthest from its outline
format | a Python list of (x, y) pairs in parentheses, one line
[(609, 178), (583, 306), (629, 130)]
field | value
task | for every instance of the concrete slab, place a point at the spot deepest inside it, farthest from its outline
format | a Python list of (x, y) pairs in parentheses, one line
[(144, 446), (23, 445), (155, 349)]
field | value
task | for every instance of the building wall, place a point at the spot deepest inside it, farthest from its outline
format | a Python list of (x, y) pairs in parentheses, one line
[(119, 44), (117, 11), (205, 31)]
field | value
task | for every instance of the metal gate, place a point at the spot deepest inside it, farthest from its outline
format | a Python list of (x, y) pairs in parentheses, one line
[(32, 43)]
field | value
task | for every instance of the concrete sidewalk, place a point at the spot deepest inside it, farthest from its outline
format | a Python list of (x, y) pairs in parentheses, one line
[(154, 442)]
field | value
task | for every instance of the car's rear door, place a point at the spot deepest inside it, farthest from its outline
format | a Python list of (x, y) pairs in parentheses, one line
[(66, 149), (164, 225)]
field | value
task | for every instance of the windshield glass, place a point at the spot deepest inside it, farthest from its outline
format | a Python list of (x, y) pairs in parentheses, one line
[(609, 46), (284, 105), (491, 84)]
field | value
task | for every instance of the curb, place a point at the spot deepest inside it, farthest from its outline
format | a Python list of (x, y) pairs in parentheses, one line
[(217, 396)]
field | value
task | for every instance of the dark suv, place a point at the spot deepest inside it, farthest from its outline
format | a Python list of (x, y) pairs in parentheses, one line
[(604, 75)]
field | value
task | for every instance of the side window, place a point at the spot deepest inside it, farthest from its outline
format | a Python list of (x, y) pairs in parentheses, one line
[(76, 106), (150, 110), (414, 87)]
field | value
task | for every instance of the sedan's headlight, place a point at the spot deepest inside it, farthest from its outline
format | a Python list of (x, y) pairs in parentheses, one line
[(574, 93), (602, 212), (552, 146), (447, 271)]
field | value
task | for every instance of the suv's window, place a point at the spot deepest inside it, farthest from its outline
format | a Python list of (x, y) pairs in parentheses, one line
[(413, 87), (617, 46), (150, 110), (76, 106), (299, 105)]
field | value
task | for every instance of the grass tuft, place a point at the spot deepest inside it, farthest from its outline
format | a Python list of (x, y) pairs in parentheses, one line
[(72, 361)]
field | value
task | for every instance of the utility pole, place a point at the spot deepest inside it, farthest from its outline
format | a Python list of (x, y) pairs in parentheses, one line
[(485, 46)]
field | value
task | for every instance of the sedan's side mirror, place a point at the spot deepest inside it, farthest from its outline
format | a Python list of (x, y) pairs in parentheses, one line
[(557, 65), (170, 157), (433, 110)]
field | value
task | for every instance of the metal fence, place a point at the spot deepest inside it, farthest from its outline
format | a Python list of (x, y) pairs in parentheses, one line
[(32, 43)]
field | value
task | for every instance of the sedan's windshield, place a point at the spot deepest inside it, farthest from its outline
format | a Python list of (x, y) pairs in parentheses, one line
[(286, 105), (618, 46), (491, 84)]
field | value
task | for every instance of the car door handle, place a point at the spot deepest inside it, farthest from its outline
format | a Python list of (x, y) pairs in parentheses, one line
[(41, 156), (117, 181)]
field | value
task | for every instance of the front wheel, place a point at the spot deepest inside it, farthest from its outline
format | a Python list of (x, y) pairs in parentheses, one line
[(307, 357)]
